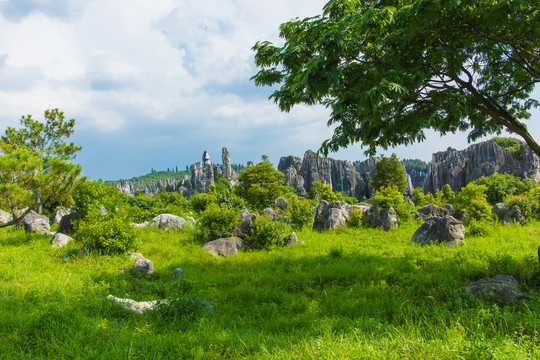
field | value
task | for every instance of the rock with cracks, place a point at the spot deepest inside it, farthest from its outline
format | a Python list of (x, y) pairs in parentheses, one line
[(60, 240), (143, 267), (34, 223), (225, 246), (384, 217), (501, 289), (445, 229), (330, 215), (168, 222)]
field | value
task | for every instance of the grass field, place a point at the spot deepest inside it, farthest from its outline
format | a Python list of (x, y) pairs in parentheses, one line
[(352, 293)]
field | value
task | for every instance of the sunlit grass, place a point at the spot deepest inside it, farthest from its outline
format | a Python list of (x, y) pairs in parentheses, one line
[(351, 293)]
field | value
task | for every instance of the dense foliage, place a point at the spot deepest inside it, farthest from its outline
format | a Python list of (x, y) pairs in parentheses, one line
[(388, 70), (35, 164), (513, 146), (415, 164), (389, 172)]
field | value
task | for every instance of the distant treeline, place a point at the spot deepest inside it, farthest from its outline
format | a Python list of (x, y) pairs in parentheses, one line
[(415, 164)]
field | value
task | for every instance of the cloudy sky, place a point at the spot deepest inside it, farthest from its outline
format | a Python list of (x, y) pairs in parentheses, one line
[(152, 84)]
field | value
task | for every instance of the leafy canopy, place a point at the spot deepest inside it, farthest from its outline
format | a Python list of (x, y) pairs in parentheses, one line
[(390, 69), (389, 172), (35, 164), (261, 184)]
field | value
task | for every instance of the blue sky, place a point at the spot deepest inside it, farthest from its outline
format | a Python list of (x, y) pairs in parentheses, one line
[(153, 84)]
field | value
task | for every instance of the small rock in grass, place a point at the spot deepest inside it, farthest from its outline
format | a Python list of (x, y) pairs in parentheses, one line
[(135, 255), (143, 267), (64, 256), (501, 288), (178, 273), (60, 240)]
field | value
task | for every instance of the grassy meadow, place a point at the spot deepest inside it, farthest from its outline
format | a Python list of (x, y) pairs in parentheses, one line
[(347, 294)]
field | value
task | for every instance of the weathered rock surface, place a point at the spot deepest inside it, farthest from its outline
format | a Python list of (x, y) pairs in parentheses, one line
[(58, 214), (458, 168), (60, 240), (514, 215), (34, 223), (135, 255), (270, 212), (330, 215), (445, 229), (281, 203), (5, 216), (143, 267), (66, 223), (225, 246), (247, 223), (501, 288), (139, 307), (381, 217), (292, 240), (168, 222)]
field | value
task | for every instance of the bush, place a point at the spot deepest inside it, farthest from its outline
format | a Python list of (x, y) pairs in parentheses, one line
[(418, 197), (445, 195), (473, 200), (261, 185), (322, 192), (110, 234), (200, 201), (267, 233), (513, 146), (388, 196), (477, 228), (355, 218), (217, 222), (300, 211), (528, 203), (499, 186)]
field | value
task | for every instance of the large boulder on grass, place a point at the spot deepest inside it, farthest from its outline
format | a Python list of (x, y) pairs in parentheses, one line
[(384, 217), (35, 223), (168, 222), (225, 246), (502, 289), (5, 217), (445, 229), (431, 210), (514, 215), (330, 215)]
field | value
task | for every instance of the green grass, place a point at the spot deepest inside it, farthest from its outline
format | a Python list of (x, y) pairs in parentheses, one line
[(352, 293)]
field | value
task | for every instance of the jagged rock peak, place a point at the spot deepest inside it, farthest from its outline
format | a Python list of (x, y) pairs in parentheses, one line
[(206, 158)]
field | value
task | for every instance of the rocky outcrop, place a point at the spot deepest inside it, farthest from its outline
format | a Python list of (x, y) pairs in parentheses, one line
[(458, 168), (168, 222), (225, 246), (502, 289), (384, 217), (445, 229), (35, 223), (341, 175), (330, 215)]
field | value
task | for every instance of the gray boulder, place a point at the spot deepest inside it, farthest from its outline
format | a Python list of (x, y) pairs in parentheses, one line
[(282, 203), (60, 240), (502, 289), (329, 215), (270, 212), (225, 246), (58, 214), (67, 221), (178, 273), (34, 223), (247, 223), (138, 307), (291, 240), (445, 229), (381, 217), (135, 256), (143, 267), (5, 216), (514, 215), (431, 210), (499, 210), (168, 222)]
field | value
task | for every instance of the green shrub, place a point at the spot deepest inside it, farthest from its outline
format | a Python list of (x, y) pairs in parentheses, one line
[(322, 192), (513, 146), (300, 212), (111, 234), (499, 186), (267, 233), (217, 222), (478, 228), (388, 196), (473, 200), (528, 203), (355, 218), (200, 201), (418, 197), (446, 195)]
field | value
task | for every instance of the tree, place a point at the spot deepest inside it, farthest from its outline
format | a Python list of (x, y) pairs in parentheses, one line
[(388, 69), (261, 184), (35, 164), (389, 172)]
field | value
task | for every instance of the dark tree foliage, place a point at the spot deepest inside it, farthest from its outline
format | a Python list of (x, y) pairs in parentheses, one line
[(389, 172), (390, 69), (415, 164)]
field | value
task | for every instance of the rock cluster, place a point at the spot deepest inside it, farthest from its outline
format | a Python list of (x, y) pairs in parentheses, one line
[(458, 168)]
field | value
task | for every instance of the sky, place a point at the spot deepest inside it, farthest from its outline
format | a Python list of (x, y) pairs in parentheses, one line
[(153, 84)]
